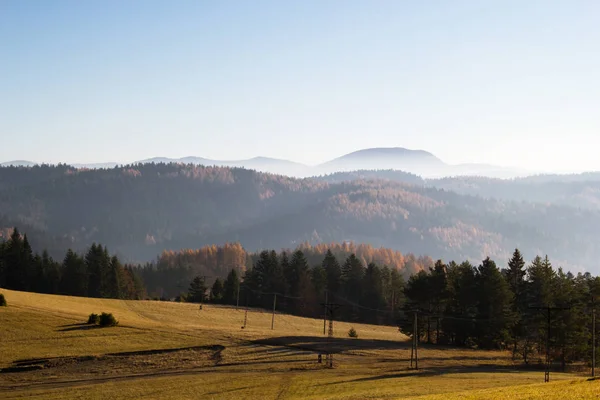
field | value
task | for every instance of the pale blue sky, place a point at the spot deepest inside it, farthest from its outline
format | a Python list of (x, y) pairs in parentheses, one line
[(504, 82)]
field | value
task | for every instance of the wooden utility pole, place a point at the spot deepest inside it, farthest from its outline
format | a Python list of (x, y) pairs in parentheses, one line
[(414, 350), (393, 303), (593, 337), (273, 316), (325, 313), (237, 301)]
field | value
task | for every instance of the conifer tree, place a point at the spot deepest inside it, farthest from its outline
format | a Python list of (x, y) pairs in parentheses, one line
[(216, 292), (493, 306), (74, 278), (515, 277), (231, 287), (333, 271), (197, 290)]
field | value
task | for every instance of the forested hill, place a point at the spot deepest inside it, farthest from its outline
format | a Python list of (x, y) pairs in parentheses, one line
[(141, 210)]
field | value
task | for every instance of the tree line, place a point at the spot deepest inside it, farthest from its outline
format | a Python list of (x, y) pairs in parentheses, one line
[(490, 307), (95, 273), (481, 306), (370, 293)]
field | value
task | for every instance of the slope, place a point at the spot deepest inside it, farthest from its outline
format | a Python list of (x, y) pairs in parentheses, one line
[(174, 350)]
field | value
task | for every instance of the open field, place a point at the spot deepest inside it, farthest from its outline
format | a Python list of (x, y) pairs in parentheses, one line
[(169, 350)]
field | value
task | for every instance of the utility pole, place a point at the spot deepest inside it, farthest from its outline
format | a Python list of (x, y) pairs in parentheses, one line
[(548, 310), (246, 313), (414, 350), (273, 316), (325, 313), (330, 307), (593, 338), (393, 301), (237, 301)]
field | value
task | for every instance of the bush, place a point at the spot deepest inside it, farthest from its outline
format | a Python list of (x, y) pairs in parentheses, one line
[(93, 319), (2, 301), (352, 333), (107, 320)]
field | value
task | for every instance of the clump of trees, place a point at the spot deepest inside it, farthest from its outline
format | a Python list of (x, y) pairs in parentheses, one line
[(107, 319), (490, 307), (93, 274), (370, 293), (2, 301), (103, 320)]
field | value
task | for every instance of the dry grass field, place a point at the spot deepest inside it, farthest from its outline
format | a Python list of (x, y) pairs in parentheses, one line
[(163, 350)]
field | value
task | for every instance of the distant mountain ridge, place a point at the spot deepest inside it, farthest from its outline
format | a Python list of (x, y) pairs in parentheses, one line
[(418, 162)]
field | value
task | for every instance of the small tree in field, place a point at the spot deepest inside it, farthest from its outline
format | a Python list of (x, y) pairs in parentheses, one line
[(93, 319), (197, 290), (352, 333), (107, 320), (2, 301)]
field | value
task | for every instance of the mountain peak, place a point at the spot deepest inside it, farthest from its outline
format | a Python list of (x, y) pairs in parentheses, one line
[(389, 152)]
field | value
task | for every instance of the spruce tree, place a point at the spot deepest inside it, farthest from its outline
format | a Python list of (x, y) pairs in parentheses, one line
[(74, 278), (352, 277), (515, 277), (461, 307), (197, 290), (494, 300), (333, 272), (216, 292), (231, 287), (301, 285)]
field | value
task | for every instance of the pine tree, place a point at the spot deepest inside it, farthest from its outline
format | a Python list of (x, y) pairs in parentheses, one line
[(197, 290), (74, 278), (231, 287), (417, 297), (2, 264), (301, 285), (396, 293), (461, 307), (216, 292), (494, 300), (114, 284), (333, 271), (17, 262), (540, 293), (51, 273), (373, 295), (515, 277), (438, 283), (352, 277)]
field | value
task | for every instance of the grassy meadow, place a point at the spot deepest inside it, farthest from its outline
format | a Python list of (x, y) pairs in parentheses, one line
[(164, 350)]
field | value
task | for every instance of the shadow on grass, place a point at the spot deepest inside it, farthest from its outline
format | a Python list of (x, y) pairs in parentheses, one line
[(78, 327), (433, 371), (333, 345)]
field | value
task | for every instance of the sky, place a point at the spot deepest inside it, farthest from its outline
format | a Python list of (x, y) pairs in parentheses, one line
[(512, 83)]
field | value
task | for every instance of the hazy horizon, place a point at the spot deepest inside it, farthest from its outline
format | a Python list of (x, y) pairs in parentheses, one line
[(501, 83)]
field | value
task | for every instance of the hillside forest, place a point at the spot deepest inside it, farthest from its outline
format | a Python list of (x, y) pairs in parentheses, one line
[(141, 210)]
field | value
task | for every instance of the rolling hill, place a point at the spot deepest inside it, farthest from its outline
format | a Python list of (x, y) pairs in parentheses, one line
[(138, 211)]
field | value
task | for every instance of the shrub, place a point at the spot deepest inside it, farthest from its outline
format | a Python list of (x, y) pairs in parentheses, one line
[(93, 319), (352, 333), (2, 301), (107, 320)]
